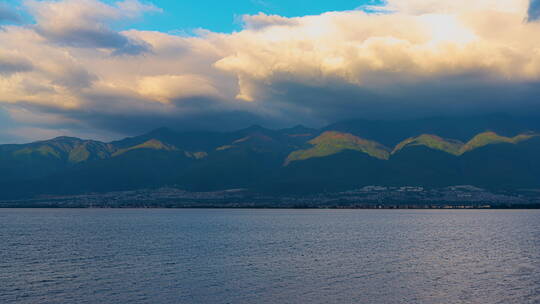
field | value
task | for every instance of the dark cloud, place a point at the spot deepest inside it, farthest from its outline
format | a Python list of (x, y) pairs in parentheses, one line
[(138, 121), (294, 103), (196, 113), (534, 10), (10, 66), (463, 95), (95, 38), (75, 78)]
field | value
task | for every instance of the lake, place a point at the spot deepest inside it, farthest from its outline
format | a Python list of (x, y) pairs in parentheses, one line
[(269, 256)]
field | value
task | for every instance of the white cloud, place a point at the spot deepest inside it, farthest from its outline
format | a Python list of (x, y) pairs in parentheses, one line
[(455, 6), (358, 47)]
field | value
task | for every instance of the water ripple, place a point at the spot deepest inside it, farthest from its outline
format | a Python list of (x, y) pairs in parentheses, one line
[(269, 256)]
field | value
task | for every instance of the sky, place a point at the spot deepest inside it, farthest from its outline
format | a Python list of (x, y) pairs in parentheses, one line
[(184, 16), (108, 69)]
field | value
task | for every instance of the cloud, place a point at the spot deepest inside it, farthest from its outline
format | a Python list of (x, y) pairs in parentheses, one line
[(375, 50), (261, 20), (409, 58), (416, 7), (85, 24), (10, 64), (166, 88)]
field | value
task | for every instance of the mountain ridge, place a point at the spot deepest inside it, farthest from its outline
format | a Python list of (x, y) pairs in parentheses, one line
[(333, 142), (277, 160)]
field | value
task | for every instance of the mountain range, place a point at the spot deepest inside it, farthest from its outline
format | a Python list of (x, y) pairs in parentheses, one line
[(493, 152)]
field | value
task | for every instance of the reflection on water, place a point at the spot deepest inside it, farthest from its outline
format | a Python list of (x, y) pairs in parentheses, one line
[(269, 256)]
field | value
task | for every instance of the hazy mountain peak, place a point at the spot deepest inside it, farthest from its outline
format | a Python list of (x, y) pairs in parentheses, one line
[(299, 132), (66, 138), (162, 130), (254, 128), (298, 128)]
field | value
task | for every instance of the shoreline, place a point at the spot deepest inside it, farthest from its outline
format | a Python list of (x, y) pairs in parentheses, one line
[(510, 207)]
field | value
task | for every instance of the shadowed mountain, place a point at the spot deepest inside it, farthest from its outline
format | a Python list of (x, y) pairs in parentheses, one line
[(504, 165), (188, 141), (297, 159), (40, 159), (135, 169), (70, 149), (346, 169), (337, 161), (248, 160)]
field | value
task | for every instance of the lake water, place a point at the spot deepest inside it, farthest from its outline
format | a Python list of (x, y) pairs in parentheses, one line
[(269, 256)]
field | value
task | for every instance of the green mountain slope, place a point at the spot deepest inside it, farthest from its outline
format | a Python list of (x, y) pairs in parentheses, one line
[(331, 142), (462, 128), (152, 144), (43, 158), (433, 142), (458, 148), (490, 138), (73, 150)]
